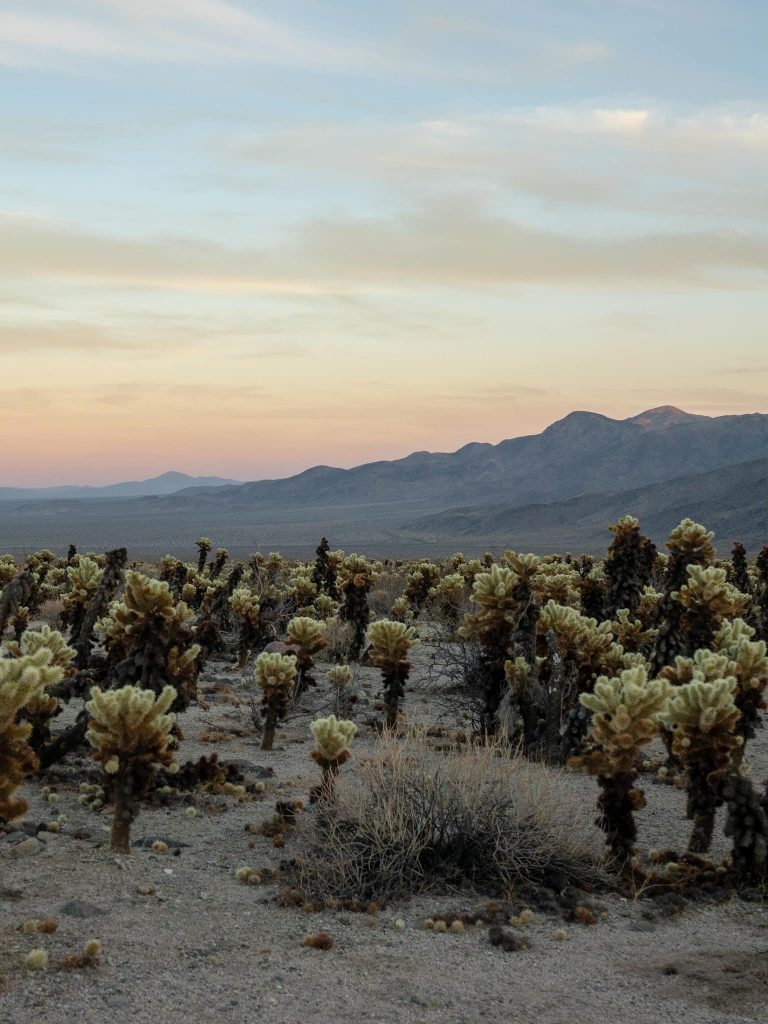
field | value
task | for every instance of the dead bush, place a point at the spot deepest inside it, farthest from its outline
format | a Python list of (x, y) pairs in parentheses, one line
[(388, 587), (414, 819)]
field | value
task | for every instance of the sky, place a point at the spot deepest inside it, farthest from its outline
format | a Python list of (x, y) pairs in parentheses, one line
[(242, 238)]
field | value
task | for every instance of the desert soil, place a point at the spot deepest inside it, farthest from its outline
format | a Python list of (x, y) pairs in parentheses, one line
[(183, 941)]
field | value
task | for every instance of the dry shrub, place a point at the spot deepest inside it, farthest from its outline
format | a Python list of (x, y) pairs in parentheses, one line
[(388, 587), (339, 637), (50, 612), (412, 819)]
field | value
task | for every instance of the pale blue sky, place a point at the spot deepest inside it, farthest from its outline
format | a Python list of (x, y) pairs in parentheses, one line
[(246, 237)]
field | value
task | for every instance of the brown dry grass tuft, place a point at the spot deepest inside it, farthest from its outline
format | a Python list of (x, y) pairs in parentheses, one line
[(413, 819)]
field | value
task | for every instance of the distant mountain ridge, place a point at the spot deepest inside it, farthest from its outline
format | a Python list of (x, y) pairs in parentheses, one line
[(166, 483), (555, 490), (732, 501), (583, 453)]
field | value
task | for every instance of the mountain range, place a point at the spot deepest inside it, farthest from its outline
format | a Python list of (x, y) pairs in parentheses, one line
[(166, 483), (549, 491)]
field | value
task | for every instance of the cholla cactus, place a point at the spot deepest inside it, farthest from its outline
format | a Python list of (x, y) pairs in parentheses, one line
[(628, 565), (418, 584), (8, 569), (339, 677), (84, 578), (390, 643), (204, 545), (275, 674), (447, 596), (22, 682), (40, 709), (748, 664), (306, 638), (218, 563), (150, 639), (703, 717), (324, 572), (357, 577), (707, 598), (625, 711), (247, 609), (689, 544), (631, 633), (302, 590), (332, 738), (326, 607), (492, 626), (130, 731)]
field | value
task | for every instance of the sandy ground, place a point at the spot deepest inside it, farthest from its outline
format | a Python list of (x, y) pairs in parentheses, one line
[(184, 941)]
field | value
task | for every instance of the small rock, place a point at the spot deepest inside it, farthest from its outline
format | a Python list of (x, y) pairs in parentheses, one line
[(27, 848), (81, 909)]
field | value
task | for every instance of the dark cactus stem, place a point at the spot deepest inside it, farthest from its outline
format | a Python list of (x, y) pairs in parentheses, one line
[(124, 806), (220, 561), (761, 563), (111, 579), (747, 826), (394, 691), (739, 573), (628, 568), (71, 552), (323, 575), (703, 800), (17, 594), (617, 803), (355, 611)]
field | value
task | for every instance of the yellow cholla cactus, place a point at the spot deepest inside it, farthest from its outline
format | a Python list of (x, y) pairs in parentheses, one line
[(245, 604), (275, 674), (390, 642), (693, 541), (275, 670), (340, 675), (46, 639), (308, 635), (332, 737), (701, 706), (130, 730), (626, 709), (22, 682), (495, 588), (708, 588), (84, 580)]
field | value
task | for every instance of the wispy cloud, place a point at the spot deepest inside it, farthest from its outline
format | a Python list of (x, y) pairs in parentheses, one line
[(171, 31), (442, 243)]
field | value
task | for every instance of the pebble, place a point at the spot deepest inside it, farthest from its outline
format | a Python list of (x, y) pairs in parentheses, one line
[(81, 909)]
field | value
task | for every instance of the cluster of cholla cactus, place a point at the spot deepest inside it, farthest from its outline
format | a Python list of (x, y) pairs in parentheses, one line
[(332, 739), (625, 711), (305, 638), (131, 733), (702, 715), (689, 544), (494, 592), (419, 582), (246, 608), (628, 566), (390, 643), (83, 580), (150, 640), (23, 681), (42, 707), (325, 570), (707, 599), (357, 577), (275, 675), (446, 597)]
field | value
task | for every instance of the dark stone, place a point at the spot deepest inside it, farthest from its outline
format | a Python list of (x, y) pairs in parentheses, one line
[(81, 909)]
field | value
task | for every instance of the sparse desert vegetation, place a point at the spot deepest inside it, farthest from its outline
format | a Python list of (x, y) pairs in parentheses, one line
[(443, 761)]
